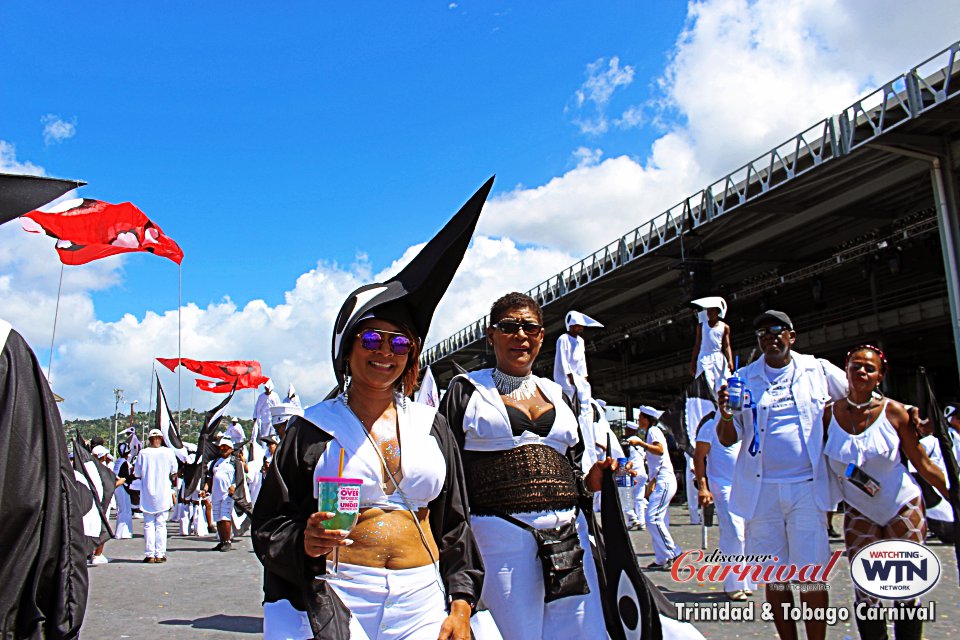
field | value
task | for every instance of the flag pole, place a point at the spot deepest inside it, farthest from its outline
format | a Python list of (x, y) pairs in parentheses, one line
[(153, 375), (53, 335), (179, 335)]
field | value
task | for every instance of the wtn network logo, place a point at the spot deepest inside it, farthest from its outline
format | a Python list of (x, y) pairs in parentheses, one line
[(895, 569)]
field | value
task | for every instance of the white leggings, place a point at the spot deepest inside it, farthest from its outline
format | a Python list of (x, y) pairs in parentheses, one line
[(513, 585)]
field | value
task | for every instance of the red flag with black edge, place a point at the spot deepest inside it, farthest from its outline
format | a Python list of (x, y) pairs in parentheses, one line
[(87, 230)]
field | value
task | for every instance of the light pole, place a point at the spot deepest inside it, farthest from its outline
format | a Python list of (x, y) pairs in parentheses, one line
[(118, 397)]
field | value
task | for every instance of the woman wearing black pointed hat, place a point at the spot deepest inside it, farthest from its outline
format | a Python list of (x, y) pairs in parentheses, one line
[(410, 567)]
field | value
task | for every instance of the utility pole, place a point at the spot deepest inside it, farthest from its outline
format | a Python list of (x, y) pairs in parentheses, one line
[(118, 398), (132, 402)]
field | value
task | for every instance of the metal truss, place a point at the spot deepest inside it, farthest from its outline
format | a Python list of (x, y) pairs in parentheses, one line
[(904, 98)]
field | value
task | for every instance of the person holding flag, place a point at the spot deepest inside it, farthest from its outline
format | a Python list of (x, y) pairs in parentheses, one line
[(157, 469), (122, 468), (221, 484)]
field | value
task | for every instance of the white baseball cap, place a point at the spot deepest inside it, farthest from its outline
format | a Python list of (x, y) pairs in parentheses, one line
[(99, 451), (154, 433), (225, 441)]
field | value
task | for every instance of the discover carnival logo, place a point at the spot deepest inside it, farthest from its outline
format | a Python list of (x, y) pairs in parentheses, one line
[(895, 569)]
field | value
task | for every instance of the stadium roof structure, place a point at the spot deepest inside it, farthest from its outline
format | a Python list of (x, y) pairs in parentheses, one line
[(851, 227)]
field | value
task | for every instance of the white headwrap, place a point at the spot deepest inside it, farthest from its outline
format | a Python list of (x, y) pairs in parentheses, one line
[(582, 319), (712, 302)]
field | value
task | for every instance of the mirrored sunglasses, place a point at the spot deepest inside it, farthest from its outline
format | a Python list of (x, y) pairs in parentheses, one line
[(511, 327), (373, 340), (774, 329)]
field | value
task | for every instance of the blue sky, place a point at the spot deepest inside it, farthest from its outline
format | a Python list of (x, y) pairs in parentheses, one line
[(298, 150), (265, 139)]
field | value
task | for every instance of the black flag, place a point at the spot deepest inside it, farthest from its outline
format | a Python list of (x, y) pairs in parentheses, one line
[(631, 603), (168, 426), (689, 412), (99, 483), (43, 573), (942, 431), (207, 448)]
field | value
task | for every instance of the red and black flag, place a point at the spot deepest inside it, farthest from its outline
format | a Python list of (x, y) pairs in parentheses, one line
[(87, 230), (246, 374)]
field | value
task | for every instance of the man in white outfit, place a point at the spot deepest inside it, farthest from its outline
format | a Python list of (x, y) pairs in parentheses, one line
[(781, 484), (156, 467), (221, 484), (713, 466), (235, 431), (637, 517), (262, 426), (571, 357), (664, 486)]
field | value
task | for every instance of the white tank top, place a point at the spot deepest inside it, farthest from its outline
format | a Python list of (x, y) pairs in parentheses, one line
[(711, 338), (877, 452)]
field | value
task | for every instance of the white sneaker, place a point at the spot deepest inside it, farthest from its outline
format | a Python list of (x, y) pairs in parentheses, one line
[(101, 559)]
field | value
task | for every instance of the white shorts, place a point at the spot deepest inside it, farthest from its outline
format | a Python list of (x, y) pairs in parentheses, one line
[(223, 508), (788, 523)]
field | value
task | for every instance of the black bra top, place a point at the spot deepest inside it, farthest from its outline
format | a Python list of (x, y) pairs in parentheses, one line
[(520, 422)]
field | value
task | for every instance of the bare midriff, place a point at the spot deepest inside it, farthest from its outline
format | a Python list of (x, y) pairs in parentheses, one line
[(390, 540)]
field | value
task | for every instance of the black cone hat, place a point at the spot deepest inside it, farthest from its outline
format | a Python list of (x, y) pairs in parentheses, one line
[(411, 296), (22, 194)]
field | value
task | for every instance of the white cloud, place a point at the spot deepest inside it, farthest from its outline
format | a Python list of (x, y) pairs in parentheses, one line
[(587, 157), (452, 5), (56, 129), (742, 77), (631, 118), (590, 101), (10, 164)]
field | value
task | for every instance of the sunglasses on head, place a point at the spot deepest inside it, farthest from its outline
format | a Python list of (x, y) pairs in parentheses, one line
[(774, 329), (373, 340), (511, 327)]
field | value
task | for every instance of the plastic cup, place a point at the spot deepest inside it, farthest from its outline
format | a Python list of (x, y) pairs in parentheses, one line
[(340, 496)]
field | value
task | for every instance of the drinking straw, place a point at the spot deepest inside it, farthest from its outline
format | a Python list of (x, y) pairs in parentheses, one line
[(340, 468), (736, 363)]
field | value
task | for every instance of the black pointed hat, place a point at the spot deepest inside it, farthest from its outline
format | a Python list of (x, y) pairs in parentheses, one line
[(411, 296), (21, 194)]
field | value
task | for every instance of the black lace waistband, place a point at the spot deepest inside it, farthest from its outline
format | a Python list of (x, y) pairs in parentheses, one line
[(533, 477)]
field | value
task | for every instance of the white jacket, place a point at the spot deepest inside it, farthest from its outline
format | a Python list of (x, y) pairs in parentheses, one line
[(815, 382)]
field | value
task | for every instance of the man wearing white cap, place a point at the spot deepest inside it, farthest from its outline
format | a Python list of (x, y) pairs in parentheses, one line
[(637, 516), (221, 485), (660, 470), (261, 411), (235, 431), (570, 361), (156, 467)]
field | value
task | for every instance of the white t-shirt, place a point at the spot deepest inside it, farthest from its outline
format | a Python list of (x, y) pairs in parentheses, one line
[(930, 444), (721, 460), (154, 467), (784, 452), (223, 477), (659, 467), (571, 358)]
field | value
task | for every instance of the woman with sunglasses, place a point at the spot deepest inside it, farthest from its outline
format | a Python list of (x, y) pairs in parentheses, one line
[(866, 433), (521, 455), (409, 569)]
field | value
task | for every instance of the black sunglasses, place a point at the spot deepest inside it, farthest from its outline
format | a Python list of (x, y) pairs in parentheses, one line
[(774, 329), (511, 327), (373, 339)]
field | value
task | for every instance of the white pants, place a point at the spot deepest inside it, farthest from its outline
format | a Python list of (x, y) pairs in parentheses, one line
[(658, 519), (513, 586), (692, 493), (386, 604), (788, 523), (731, 533), (638, 515), (124, 528), (155, 534)]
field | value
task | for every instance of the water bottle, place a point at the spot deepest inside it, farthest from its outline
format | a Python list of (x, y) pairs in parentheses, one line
[(735, 386), (624, 482)]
